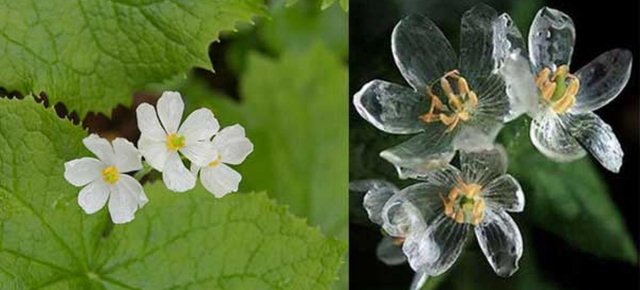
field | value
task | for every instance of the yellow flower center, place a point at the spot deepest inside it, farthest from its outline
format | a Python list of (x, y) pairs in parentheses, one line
[(464, 204), (459, 104), (558, 89), (216, 161), (110, 175), (175, 141)]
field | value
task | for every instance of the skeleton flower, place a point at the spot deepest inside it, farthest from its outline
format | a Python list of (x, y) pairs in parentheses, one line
[(561, 103), (231, 147), (164, 139), (452, 103), (103, 180)]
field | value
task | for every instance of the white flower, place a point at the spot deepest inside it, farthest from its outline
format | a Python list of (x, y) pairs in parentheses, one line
[(561, 104), (231, 147), (163, 139), (102, 179)]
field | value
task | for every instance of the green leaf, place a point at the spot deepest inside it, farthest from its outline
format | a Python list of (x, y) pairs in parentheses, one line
[(92, 55), (243, 241), (325, 3), (568, 199)]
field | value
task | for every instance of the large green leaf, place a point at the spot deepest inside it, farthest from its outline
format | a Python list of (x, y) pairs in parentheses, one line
[(191, 240), (325, 3), (568, 199), (91, 55)]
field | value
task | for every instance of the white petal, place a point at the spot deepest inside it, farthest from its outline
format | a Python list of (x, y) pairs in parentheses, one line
[(551, 39), (176, 176), (504, 193), (232, 144), (200, 125), (400, 217), (149, 124), (419, 279), (500, 241), (389, 252), (220, 180), (551, 139), (129, 184), (80, 172), (200, 153), (127, 157), (602, 80), (377, 194), (520, 87), (93, 196), (99, 147), (170, 108), (123, 203), (597, 137), (482, 167), (154, 152)]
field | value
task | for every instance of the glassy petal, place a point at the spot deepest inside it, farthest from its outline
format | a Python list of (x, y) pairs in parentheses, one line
[(391, 108), (400, 217), (482, 167), (597, 137), (148, 123), (127, 156), (551, 139), (504, 193), (131, 185), (200, 125), (551, 39), (421, 51), (602, 80), (389, 252), (377, 194), (123, 204), (419, 279), (154, 152), (99, 147), (80, 172), (176, 176), (500, 241), (470, 138), (201, 153), (232, 144), (93, 196), (426, 197), (520, 87), (170, 108), (507, 40), (476, 42), (220, 180)]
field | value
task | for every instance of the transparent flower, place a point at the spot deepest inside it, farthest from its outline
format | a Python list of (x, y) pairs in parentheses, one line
[(103, 180), (163, 140), (561, 103), (231, 147), (453, 103)]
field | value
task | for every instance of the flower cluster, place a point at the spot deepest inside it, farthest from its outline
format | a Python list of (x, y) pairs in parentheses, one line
[(456, 106), (164, 143)]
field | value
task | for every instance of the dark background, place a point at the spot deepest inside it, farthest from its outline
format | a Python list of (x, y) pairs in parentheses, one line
[(600, 26)]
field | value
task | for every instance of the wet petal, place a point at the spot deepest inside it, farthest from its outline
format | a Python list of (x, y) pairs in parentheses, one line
[(419, 279), (148, 123), (176, 176), (602, 80), (507, 40), (232, 144), (421, 51), (504, 193), (170, 108), (99, 147), (154, 152), (220, 180), (377, 194), (126, 155), (389, 252), (93, 196), (80, 172), (551, 139), (597, 137), (418, 202), (123, 204), (131, 185), (520, 87), (391, 108), (482, 167), (200, 125), (400, 217), (200, 153), (500, 241), (477, 138), (551, 39), (476, 42)]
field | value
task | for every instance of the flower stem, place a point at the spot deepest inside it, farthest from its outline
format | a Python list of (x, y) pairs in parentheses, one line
[(146, 168)]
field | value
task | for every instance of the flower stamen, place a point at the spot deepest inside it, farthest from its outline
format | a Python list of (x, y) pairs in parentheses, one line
[(216, 161), (458, 105), (464, 204), (175, 141), (110, 175), (558, 89)]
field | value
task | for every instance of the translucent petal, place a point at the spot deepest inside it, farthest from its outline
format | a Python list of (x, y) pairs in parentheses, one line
[(391, 108), (551, 39), (422, 153), (602, 80), (176, 176), (389, 252), (200, 153), (154, 152), (500, 241), (99, 147), (377, 194), (436, 248), (550, 138), (80, 172), (482, 167), (148, 123), (127, 157), (200, 125), (93, 196), (232, 144), (504, 193), (399, 217), (220, 180), (419, 279), (520, 87), (421, 51), (493, 103), (170, 108), (476, 42), (507, 40), (597, 137), (470, 138)]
